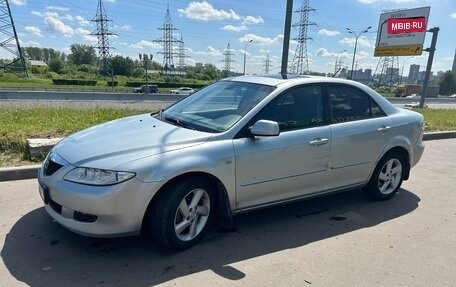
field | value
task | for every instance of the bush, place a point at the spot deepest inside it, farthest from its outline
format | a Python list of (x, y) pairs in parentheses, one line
[(110, 83), (75, 82), (134, 84)]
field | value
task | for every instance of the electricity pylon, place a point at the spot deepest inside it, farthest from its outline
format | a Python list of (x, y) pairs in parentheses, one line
[(228, 53), (168, 42), (103, 33), (11, 42), (300, 63)]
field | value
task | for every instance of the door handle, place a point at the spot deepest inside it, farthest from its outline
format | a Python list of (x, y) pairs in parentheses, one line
[(318, 142), (383, 129)]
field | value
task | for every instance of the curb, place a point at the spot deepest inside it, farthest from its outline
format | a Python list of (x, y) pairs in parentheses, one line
[(31, 171), (439, 135), (19, 173)]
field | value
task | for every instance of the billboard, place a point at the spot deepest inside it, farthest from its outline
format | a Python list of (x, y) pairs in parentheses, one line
[(402, 32)]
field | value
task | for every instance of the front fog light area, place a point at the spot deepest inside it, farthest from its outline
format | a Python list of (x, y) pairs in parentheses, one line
[(93, 176)]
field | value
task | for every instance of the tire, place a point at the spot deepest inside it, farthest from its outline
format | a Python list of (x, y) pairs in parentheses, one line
[(387, 177), (182, 214)]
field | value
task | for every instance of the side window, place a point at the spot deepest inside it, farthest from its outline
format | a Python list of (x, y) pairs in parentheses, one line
[(296, 108), (351, 104), (376, 112)]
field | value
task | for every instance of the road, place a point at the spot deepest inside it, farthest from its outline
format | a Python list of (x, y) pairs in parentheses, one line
[(138, 101), (339, 240)]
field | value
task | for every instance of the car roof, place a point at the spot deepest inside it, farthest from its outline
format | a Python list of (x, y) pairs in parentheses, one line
[(278, 79), (287, 81)]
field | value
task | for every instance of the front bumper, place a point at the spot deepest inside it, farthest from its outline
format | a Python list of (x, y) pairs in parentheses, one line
[(98, 211)]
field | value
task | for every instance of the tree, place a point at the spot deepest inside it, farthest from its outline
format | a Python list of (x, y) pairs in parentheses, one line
[(212, 72), (447, 84), (207, 72), (33, 53), (54, 55), (43, 54), (82, 54), (56, 65), (123, 66)]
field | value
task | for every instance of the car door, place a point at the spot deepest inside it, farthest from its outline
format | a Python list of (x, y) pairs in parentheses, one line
[(359, 132), (292, 164)]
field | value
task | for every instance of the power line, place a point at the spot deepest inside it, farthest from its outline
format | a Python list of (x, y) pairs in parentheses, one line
[(228, 53), (103, 33), (182, 56), (11, 43), (168, 42), (300, 63), (387, 72), (267, 65)]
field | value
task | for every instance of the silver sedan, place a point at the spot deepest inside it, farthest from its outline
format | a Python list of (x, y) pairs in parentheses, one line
[(237, 145)]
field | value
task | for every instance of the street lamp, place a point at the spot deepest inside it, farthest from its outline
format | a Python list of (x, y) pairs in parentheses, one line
[(356, 43), (245, 52), (145, 61)]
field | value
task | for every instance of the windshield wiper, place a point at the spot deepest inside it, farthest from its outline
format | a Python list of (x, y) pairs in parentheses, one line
[(178, 122), (157, 115)]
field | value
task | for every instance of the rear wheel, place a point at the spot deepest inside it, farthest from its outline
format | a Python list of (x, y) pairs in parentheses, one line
[(387, 177), (182, 214)]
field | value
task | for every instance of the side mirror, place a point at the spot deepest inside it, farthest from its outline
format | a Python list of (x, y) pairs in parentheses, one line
[(265, 128)]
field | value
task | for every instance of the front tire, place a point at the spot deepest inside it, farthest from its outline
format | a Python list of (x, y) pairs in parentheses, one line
[(387, 177), (182, 214)]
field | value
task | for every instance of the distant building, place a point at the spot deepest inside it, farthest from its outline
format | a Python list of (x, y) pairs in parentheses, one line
[(422, 75), (360, 75), (413, 73), (368, 74), (199, 65), (37, 63), (343, 73)]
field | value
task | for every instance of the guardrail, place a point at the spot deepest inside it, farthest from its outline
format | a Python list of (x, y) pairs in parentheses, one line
[(69, 88), (78, 96)]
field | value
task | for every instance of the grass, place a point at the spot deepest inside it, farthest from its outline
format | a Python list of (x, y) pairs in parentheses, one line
[(439, 119), (19, 123)]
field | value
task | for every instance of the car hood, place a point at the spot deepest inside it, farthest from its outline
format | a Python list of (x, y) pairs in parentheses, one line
[(114, 143)]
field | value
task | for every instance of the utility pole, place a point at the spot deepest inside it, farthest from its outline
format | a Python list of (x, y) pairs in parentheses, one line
[(145, 60), (431, 50), (286, 38)]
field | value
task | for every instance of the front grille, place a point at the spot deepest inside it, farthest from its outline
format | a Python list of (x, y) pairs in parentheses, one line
[(84, 217), (57, 207), (51, 167)]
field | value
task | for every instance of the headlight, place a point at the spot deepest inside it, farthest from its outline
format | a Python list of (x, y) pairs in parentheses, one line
[(93, 176)]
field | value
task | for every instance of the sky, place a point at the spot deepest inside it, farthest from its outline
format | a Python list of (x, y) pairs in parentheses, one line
[(208, 26)]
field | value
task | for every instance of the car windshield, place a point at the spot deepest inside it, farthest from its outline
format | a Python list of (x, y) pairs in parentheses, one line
[(217, 107)]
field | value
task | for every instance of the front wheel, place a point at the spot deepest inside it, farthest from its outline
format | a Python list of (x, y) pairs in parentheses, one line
[(182, 214), (387, 177)]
